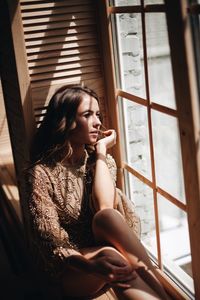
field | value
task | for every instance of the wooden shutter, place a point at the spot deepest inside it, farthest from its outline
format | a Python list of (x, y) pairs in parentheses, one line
[(62, 47)]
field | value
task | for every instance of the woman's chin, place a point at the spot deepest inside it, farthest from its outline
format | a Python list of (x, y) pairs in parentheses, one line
[(93, 141)]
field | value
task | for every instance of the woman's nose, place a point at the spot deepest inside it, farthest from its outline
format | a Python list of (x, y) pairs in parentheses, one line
[(97, 121)]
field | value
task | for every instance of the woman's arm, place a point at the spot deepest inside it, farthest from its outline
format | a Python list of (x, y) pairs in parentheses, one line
[(103, 186), (52, 238), (105, 263)]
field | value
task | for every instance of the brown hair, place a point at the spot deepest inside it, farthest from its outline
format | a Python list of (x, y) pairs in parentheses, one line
[(51, 139)]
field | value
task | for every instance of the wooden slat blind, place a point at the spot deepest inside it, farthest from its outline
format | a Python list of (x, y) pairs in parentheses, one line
[(62, 47), (72, 33)]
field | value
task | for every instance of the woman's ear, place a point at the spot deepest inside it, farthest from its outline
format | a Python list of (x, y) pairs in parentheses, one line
[(73, 126)]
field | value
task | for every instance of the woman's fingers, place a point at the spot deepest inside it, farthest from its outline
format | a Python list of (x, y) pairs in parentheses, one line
[(122, 281), (110, 134), (109, 138), (114, 268), (120, 272), (123, 277), (125, 266)]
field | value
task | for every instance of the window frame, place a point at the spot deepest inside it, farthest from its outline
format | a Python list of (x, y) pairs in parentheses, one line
[(187, 115)]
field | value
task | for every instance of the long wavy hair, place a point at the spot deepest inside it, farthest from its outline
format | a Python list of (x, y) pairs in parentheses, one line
[(51, 141)]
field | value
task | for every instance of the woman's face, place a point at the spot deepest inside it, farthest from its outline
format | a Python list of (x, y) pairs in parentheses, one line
[(87, 123)]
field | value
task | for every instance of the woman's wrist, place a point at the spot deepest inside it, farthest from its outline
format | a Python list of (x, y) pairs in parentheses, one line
[(101, 148)]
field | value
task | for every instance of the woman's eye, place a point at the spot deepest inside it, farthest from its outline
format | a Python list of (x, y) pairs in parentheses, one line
[(99, 116), (87, 115)]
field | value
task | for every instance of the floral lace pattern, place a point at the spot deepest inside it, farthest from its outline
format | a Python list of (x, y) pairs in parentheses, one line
[(60, 213)]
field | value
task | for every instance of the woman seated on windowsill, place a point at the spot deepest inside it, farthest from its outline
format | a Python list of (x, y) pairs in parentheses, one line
[(83, 232)]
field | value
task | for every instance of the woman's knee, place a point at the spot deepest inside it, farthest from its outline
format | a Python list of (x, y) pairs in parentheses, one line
[(103, 216), (106, 223), (110, 251)]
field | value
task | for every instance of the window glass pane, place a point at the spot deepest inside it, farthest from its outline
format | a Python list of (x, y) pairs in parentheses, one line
[(133, 2), (142, 197), (168, 162), (173, 229), (137, 138), (159, 61), (154, 1), (130, 64), (124, 2)]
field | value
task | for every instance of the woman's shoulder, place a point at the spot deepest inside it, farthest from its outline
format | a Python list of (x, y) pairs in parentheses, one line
[(38, 170), (38, 167)]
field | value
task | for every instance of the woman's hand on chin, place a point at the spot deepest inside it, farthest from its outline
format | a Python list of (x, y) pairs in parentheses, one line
[(106, 142)]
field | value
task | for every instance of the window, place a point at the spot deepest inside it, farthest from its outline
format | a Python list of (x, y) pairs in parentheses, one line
[(153, 157)]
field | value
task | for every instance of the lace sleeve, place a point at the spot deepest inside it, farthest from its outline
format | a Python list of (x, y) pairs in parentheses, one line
[(112, 167), (50, 235)]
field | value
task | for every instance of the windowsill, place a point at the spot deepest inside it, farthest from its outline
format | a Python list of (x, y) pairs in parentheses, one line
[(181, 285)]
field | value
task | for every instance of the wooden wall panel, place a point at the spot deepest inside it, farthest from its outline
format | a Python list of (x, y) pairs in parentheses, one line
[(5, 147), (15, 86)]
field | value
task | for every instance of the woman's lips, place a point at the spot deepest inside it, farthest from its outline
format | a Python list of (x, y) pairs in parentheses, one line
[(94, 134)]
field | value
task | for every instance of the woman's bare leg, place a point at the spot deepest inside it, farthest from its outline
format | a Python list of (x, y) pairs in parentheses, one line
[(80, 284), (77, 283), (138, 290), (109, 226)]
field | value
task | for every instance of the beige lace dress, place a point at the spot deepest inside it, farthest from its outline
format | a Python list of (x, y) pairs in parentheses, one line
[(60, 212)]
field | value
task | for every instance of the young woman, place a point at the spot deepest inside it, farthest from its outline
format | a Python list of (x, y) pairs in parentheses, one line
[(83, 234)]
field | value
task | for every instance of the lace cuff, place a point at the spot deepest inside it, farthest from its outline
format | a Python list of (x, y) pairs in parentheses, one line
[(63, 253)]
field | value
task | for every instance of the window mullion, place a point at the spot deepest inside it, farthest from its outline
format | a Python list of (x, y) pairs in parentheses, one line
[(151, 138)]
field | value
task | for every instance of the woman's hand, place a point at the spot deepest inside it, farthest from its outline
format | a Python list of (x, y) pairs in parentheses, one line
[(107, 142), (113, 270)]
